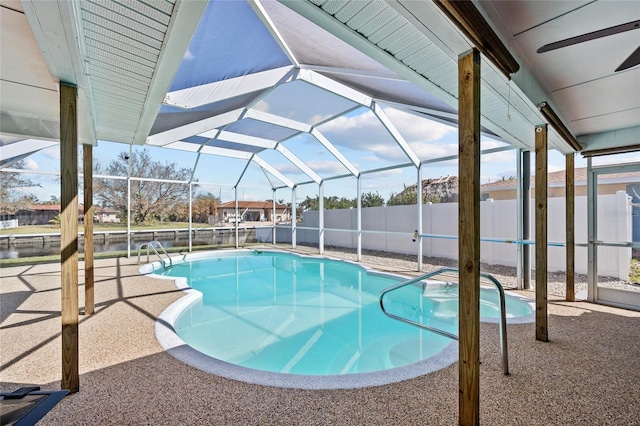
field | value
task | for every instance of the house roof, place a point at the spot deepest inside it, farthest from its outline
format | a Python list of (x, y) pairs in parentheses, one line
[(267, 205), (558, 179), (45, 207), (57, 208)]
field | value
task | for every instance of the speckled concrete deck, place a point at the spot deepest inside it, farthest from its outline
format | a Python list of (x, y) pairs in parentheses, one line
[(589, 372)]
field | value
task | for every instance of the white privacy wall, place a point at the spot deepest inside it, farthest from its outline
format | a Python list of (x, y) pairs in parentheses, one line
[(498, 219)]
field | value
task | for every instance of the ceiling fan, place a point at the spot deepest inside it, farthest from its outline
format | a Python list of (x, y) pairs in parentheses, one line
[(631, 61)]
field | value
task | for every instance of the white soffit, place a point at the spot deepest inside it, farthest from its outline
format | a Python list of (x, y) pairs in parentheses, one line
[(121, 56)]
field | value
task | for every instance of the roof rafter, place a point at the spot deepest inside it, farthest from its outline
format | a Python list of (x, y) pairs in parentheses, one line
[(268, 167), (195, 128), (333, 86), (196, 96), (258, 8), (334, 151), (298, 163), (391, 128)]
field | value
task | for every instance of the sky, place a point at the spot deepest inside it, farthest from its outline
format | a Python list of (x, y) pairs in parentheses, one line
[(358, 134)]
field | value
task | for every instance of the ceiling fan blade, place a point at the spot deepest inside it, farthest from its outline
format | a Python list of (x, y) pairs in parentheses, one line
[(590, 36), (631, 61)]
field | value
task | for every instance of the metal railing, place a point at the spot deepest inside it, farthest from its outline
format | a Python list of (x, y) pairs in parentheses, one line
[(151, 245), (503, 313)]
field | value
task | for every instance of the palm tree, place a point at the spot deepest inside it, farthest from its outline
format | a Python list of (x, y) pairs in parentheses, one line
[(55, 222)]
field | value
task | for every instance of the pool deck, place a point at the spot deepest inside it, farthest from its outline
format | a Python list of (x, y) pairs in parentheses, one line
[(589, 372)]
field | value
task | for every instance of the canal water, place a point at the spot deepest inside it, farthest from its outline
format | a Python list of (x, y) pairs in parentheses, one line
[(46, 245)]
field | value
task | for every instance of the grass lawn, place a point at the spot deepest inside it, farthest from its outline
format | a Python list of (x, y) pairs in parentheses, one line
[(99, 227), (634, 273)]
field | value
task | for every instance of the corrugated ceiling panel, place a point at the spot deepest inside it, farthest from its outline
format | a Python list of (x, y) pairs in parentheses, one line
[(139, 49), (108, 104), (350, 9), (366, 14), (107, 94), (122, 45), (424, 57), (116, 54), (118, 85), (398, 38), (116, 60), (138, 23), (387, 28), (123, 81), (420, 45), (142, 73), (94, 22), (148, 12), (333, 6), (164, 6), (93, 69), (495, 108), (379, 21)]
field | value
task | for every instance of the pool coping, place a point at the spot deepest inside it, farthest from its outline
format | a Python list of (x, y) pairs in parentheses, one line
[(176, 347)]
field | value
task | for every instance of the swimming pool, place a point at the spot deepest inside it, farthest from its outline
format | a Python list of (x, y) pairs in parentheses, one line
[(297, 321)]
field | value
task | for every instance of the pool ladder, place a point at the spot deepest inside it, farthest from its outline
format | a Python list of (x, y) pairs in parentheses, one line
[(503, 313), (154, 245)]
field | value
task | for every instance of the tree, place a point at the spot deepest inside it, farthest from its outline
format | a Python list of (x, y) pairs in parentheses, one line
[(12, 201), (407, 196), (330, 203), (370, 199), (202, 207), (148, 198)]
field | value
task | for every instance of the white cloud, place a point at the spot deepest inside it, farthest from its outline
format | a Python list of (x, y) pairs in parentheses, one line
[(52, 152), (188, 56), (262, 106), (498, 157), (30, 164), (318, 118), (434, 150), (414, 128)]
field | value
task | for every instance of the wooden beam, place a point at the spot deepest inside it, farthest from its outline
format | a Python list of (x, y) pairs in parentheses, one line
[(541, 233), (470, 21), (469, 236), (87, 167), (559, 126), (69, 235), (571, 237)]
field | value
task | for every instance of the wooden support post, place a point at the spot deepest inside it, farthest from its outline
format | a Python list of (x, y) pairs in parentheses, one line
[(469, 236), (541, 233), (69, 235), (87, 167), (571, 238)]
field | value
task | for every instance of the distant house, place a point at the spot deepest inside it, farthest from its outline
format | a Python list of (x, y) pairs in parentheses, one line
[(41, 214), (100, 215), (253, 211), (38, 214), (607, 184)]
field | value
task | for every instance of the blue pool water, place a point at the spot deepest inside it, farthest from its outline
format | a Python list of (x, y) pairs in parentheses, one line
[(285, 313)]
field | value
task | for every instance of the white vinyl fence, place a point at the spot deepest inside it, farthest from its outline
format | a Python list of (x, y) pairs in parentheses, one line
[(391, 229), (8, 224)]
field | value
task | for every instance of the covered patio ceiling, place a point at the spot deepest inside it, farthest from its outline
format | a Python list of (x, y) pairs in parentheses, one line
[(239, 79)]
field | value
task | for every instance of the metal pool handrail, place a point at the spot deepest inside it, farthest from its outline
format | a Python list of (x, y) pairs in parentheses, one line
[(151, 245), (503, 312)]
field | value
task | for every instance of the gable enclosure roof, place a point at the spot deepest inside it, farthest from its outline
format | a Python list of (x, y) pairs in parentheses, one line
[(246, 79)]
